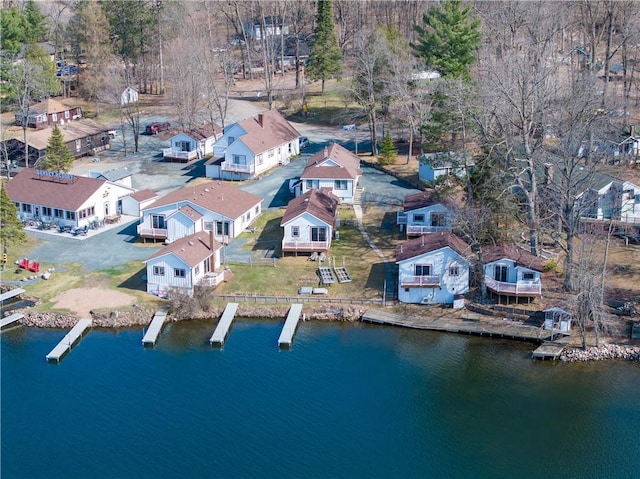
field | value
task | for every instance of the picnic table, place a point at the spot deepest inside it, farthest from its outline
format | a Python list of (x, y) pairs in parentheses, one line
[(112, 219)]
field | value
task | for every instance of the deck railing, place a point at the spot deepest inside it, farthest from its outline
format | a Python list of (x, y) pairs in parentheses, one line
[(236, 168), (421, 230), (517, 288), (305, 245), (407, 281), (181, 155), (152, 232)]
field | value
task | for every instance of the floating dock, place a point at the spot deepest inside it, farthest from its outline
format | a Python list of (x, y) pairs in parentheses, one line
[(11, 294), (289, 328), (151, 336), (548, 351), (224, 324), (68, 341), (10, 319)]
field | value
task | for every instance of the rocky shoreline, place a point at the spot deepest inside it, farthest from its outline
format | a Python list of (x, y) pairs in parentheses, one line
[(605, 351)]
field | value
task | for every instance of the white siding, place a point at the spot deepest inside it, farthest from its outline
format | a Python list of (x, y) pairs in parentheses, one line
[(164, 283), (305, 222), (345, 196)]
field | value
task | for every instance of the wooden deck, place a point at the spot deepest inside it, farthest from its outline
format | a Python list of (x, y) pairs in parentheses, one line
[(224, 324), (151, 336), (4, 322), (289, 328), (11, 294), (548, 350), (69, 340)]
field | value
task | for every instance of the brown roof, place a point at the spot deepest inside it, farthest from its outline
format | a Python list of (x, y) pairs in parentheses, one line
[(28, 187), (216, 196), (317, 168), (318, 203), (190, 212), (50, 106), (74, 130), (510, 251), (192, 249), (205, 131), (143, 195), (421, 200), (432, 242), (266, 131)]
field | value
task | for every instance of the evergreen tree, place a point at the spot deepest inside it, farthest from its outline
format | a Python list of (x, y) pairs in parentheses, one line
[(325, 57), (36, 23), (448, 42), (11, 229), (388, 151), (12, 28), (59, 158)]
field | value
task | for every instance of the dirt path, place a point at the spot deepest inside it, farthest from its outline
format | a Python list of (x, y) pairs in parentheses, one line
[(82, 300)]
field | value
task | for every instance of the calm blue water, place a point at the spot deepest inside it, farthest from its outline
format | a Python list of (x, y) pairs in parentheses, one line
[(346, 401)]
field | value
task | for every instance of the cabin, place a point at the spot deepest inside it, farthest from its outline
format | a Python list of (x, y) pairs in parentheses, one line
[(128, 96), (512, 273), (334, 168), (134, 203), (424, 213), (184, 264), (253, 146), (433, 269), (211, 206), (309, 222), (47, 113), (193, 144), (434, 166), (611, 199), (63, 199)]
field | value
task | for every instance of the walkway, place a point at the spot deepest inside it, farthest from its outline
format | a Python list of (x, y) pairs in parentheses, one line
[(68, 341)]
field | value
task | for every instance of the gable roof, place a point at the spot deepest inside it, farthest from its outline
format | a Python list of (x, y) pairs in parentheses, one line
[(49, 106), (510, 251), (266, 131), (322, 205), (189, 212), (143, 195), (73, 130), (29, 187), (432, 242), (217, 196), (115, 174), (421, 200), (192, 249), (205, 131), (319, 165)]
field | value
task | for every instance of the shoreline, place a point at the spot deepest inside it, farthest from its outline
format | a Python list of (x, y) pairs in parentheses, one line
[(141, 316)]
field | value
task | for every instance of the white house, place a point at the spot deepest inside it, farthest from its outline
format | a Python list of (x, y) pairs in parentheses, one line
[(253, 146), (187, 262), (512, 272), (433, 269), (122, 176), (134, 203), (211, 206), (611, 199), (193, 144), (62, 199), (335, 168), (309, 222), (424, 213), (435, 165), (128, 95)]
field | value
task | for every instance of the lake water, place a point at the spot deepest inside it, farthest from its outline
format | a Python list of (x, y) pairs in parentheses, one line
[(348, 400)]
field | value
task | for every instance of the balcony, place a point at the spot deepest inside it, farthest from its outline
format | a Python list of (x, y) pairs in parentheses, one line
[(152, 233), (305, 246), (213, 278), (520, 288), (407, 281), (423, 230), (237, 168), (170, 153)]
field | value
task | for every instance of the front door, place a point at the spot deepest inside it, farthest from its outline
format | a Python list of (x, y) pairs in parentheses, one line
[(500, 273), (106, 209), (318, 234)]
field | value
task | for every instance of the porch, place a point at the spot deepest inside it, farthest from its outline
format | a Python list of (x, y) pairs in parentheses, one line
[(407, 281), (519, 289), (422, 230), (169, 154), (214, 278), (228, 166), (152, 233), (305, 246)]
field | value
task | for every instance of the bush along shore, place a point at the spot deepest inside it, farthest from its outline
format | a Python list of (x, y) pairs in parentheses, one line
[(605, 351)]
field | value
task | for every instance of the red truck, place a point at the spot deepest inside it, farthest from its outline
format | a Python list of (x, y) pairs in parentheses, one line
[(155, 128)]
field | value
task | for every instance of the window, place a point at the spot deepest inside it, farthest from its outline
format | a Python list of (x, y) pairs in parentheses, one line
[(438, 219), (313, 184), (196, 270), (257, 210), (46, 211), (422, 269), (418, 218), (295, 231), (179, 272), (259, 160), (208, 225), (637, 198), (54, 116), (340, 185), (454, 269), (528, 276), (71, 215), (231, 140), (88, 142), (239, 160), (158, 270), (58, 213), (500, 272), (222, 228), (66, 114), (270, 154), (318, 233), (78, 145), (26, 208), (157, 221), (183, 145), (207, 265)]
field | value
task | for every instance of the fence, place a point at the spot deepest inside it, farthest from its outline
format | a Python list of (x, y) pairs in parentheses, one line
[(247, 298)]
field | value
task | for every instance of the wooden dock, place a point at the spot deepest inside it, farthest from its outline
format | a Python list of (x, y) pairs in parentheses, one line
[(548, 350), (10, 319), (289, 328), (11, 294), (69, 340), (224, 324), (151, 336)]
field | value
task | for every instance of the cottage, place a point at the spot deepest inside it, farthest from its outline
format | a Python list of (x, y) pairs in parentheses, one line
[(253, 146), (128, 96), (424, 213), (63, 199), (309, 222), (134, 203), (512, 272), (47, 113), (335, 168), (433, 269), (193, 144), (187, 262), (437, 165), (83, 138), (212, 206), (611, 198)]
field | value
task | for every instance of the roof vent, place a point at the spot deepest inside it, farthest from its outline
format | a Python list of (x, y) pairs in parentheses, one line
[(190, 244), (207, 190)]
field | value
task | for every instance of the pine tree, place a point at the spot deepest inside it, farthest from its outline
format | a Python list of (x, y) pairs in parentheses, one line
[(11, 229), (36, 22), (388, 151), (59, 158), (450, 39), (325, 57)]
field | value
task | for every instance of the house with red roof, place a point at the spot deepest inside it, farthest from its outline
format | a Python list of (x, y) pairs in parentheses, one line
[(253, 146), (193, 144), (433, 269), (211, 206), (424, 213), (309, 222), (185, 263), (335, 168), (512, 272)]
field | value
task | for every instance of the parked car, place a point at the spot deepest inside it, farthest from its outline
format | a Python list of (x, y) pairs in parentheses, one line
[(112, 133), (67, 70), (157, 127), (304, 142)]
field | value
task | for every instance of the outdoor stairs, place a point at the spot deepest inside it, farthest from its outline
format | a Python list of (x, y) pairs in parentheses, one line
[(357, 195)]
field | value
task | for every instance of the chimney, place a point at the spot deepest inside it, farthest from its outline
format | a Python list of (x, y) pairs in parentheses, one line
[(422, 239), (401, 248), (211, 241), (548, 174), (261, 120), (326, 152)]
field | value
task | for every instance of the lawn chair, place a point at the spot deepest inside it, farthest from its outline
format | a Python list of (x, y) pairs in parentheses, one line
[(24, 263), (34, 267)]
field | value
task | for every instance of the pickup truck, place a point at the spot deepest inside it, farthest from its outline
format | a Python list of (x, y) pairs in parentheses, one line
[(155, 128)]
